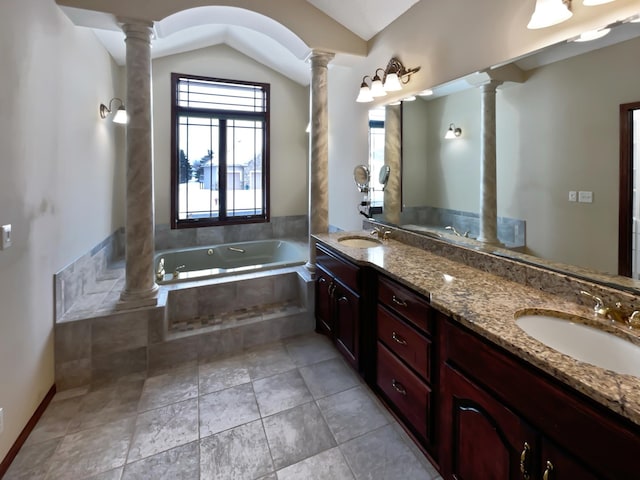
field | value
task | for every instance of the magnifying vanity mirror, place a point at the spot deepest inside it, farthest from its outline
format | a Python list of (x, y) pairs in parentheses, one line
[(361, 177), (558, 143)]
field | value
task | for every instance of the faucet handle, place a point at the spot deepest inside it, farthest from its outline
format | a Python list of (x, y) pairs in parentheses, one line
[(634, 319), (599, 303)]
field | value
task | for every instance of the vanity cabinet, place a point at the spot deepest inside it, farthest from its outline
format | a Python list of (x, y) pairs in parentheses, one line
[(338, 302), (405, 357), (503, 419)]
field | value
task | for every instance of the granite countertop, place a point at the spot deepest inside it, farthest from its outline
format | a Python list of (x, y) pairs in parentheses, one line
[(488, 304)]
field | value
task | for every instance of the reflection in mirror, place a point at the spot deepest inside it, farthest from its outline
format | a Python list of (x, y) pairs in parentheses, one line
[(383, 176), (557, 132), (376, 152)]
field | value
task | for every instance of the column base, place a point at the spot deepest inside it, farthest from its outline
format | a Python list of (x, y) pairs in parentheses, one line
[(311, 267), (132, 300), (491, 241)]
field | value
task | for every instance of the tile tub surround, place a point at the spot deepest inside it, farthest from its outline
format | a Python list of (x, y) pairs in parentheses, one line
[(92, 282), (511, 231), (188, 325), (487, 304), (222, 420)]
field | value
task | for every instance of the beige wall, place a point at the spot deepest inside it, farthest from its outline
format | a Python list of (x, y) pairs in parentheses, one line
[(289, 119), (559, 132), (447, 40), (59, 171)]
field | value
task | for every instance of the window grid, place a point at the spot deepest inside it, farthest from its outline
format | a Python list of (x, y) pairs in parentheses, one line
[(228, 184)]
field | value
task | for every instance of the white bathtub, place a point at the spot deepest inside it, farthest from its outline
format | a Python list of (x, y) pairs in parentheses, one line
[(199, 263)]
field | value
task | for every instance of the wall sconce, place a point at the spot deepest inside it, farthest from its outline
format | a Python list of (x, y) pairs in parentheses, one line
[(391, 80), (121, 114), (453, 132)]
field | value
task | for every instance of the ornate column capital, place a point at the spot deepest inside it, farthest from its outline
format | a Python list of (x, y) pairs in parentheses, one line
[(135, 28), (490, 86), (320, 58)]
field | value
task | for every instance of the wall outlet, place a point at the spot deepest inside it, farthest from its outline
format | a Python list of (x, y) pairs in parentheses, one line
[(1, 420), (573, 196), (585, 197), (5, 241)]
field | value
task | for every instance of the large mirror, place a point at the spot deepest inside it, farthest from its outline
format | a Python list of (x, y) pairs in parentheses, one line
[(557, 132)]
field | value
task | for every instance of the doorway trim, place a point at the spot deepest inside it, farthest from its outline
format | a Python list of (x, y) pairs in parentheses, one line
[(625, 210)]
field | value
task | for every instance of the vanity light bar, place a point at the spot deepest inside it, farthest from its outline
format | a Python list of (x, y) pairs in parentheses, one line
[(390, 80)]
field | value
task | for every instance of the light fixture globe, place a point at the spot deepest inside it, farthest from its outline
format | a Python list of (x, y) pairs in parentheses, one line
[(550, 12), (120, 116), (377, 89), (392, 83), (453, 132), (364, 96), (592, 35)]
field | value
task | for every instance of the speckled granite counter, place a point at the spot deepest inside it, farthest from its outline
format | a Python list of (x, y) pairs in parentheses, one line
[(489, 304)]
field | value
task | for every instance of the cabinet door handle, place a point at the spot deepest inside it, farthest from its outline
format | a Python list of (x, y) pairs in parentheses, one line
[(343, 299), (548, 472), (331, 289), (398, 301), (398, 387), (322, 280), (398, 339), (525, 461)]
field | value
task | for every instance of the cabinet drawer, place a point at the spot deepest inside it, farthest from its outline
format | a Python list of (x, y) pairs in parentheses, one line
[(405, 342), (409, 396), (405, 302), (337, 267)]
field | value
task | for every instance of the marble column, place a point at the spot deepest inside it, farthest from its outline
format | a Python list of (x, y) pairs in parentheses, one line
[(488, 193), (140, 287), (392, 158), (318, 149)]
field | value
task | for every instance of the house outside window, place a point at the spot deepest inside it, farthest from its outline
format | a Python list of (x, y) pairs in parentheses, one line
[(220, 149)]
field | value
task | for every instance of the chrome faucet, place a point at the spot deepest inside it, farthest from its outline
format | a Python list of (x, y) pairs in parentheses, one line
[(176, 272), (615, 313), (381, 233), (455, 232), (160, 270)]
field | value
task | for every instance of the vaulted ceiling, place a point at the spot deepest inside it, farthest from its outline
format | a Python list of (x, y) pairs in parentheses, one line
[(253, 34)]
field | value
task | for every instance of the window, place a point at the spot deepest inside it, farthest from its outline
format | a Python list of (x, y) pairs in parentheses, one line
[(376, 154), (220, 149)]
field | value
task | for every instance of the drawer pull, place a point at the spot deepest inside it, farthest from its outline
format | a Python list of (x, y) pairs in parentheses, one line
[(398, 301), (398, 339), (548, 472), (398, 387), (525, 461)]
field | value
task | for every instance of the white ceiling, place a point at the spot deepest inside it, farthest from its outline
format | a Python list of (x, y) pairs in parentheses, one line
[(252, 34)]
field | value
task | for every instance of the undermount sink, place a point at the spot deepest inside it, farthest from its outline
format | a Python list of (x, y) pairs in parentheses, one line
[(359, 242), (582, 342)]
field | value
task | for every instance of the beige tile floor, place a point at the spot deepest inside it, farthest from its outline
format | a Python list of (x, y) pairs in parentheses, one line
[(291, 410)]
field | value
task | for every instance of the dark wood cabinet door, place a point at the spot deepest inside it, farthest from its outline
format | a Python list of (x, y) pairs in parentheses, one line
[(559, 465), (324, 314), (347, 312), (482, 439)]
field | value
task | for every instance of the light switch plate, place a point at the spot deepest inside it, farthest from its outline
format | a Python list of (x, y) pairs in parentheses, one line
[(585, 197), (5, 241), (1, 420), (573, 196)]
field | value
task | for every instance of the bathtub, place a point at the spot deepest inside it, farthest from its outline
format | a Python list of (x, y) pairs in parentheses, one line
[(200, 263)]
